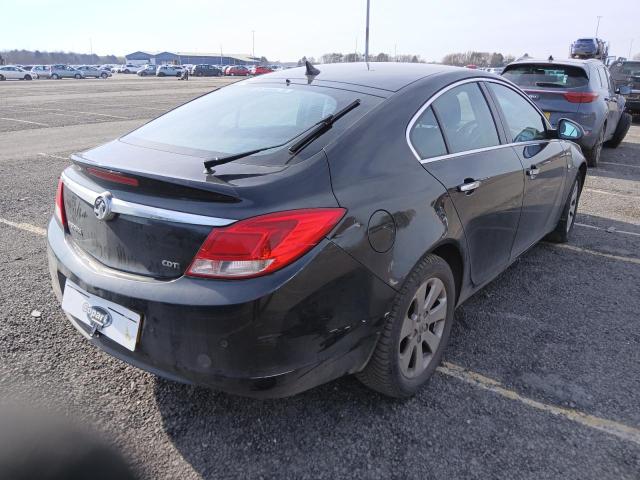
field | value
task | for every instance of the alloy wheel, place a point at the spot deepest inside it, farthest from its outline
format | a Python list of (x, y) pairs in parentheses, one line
[(422, 327)]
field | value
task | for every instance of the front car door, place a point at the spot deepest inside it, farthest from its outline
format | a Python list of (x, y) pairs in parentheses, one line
[(545, 164), (457, 139), (616, 104)]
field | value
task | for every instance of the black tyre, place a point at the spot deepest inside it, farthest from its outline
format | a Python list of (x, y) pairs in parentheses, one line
[(55, 76), (568, 218), (416, 332), (161, 74), (27, 77), (593, 154), (103, 75), (77, 76), (621, 131), (2, 78)]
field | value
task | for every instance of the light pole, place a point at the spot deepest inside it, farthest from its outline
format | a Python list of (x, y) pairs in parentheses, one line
[(253, 44), (366, 41), (598, 25), (630, 47)]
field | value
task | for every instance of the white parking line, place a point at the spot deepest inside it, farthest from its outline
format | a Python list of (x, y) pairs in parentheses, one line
[(593, 252), (25, 226), (24, 121), (58, 157), (620, 164), (88, 113), (608, 230), (615, 194), (620, 430)]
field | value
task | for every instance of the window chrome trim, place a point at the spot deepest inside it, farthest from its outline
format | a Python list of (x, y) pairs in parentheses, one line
[(144, 211), (428, 103)]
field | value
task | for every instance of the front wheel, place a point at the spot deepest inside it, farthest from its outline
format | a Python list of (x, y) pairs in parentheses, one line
[(103, 75), (27, 77), (568, 218), (55, 76), (77, 76), (416, 332)]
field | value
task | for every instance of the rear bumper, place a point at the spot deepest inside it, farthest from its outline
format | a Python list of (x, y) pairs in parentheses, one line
[(274, 336)]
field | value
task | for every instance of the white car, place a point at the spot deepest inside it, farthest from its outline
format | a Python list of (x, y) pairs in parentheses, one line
[(11, 72), (169, 71), (93, 72)]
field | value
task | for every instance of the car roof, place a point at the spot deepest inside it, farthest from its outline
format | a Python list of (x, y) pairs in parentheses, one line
[(389, 76)]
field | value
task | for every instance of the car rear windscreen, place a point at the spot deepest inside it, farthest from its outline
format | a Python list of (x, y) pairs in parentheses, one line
[(244, 117), (546, 75)]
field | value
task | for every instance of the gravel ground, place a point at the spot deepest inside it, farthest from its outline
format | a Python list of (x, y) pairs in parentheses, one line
[(559, 327)]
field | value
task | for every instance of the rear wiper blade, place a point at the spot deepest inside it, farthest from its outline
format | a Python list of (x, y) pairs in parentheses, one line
[(313, 132), (209, 164), (322, 126)]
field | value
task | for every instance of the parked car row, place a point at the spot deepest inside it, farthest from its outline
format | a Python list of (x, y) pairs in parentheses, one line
[(54, 72)]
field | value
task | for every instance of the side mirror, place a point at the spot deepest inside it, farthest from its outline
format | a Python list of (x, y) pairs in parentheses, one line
[(623, 90), (569, 130)]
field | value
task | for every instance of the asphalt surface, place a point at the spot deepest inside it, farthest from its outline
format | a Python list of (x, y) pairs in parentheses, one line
[(559, 328)]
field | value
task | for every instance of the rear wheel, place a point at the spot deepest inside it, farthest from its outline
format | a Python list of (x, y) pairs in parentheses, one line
[(27, 77), (2, 78), (593, 154), (77, 76), (621, 131), (568, 217), (103, 75), (416, 333), (55, 76)]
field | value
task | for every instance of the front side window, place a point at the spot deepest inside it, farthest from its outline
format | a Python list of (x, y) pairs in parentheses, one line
[(426, 136), (466, 119), (524, 122)]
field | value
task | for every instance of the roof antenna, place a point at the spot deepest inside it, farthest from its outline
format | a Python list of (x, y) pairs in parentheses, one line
[(311, 71), (551, 58)]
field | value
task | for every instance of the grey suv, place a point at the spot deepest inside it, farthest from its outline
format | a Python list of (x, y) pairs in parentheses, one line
[(581, 90)]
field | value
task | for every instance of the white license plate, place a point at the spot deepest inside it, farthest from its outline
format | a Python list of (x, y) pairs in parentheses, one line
[(110, 319)]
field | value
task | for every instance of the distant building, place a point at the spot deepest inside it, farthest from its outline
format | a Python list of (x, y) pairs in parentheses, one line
[(193, 58)]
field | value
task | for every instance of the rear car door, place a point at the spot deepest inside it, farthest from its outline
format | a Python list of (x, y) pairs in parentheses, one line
[(458, 142), (545, 165)]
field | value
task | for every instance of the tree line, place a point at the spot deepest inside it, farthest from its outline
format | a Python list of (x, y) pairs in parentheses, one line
[(357, 57), (37, 57), (481, 59)]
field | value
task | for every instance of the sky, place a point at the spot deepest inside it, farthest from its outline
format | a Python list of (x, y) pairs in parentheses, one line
[(288, 30)]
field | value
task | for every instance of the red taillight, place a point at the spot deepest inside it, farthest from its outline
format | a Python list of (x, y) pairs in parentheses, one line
[(260, 245), (112, 176), (580, 97), (59, 210)]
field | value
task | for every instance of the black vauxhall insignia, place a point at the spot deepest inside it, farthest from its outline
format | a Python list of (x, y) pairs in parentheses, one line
[(293, 228)]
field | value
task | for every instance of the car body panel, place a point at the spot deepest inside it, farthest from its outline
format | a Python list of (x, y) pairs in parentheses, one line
[(320, 316)]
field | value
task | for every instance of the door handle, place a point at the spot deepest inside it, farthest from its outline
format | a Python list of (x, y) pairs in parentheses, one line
[(533, 171), (469, 187)]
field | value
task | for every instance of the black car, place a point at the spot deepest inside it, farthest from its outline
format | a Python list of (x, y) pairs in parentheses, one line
[(581, 90), (627, 74), (205, 71), (284, 231)]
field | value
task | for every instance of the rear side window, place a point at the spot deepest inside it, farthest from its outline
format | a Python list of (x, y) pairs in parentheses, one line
[(547, 75), (426, 136), (524, 122), (466, 119)]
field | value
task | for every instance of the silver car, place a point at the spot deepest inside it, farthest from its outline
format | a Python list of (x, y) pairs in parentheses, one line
[(56, 72), (93, 72)]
